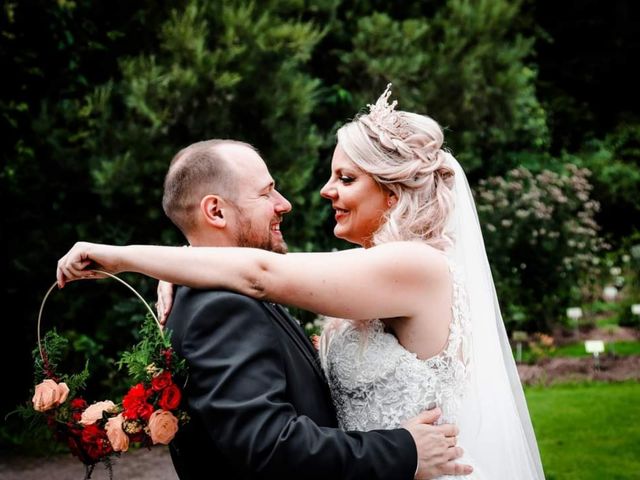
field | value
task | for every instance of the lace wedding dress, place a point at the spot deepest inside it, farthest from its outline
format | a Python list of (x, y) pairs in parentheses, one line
[(377, 384)]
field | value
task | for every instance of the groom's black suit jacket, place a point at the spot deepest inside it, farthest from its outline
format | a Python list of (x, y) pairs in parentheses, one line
[(259, 404)]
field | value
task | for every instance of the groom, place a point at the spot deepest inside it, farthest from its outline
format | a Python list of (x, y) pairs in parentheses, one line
[(259, 403)]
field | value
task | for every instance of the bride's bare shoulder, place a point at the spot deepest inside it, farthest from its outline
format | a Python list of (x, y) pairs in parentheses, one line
[(416, 257)]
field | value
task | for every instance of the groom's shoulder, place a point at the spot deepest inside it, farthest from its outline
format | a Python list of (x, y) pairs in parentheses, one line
[(221, 313), (217, 299)]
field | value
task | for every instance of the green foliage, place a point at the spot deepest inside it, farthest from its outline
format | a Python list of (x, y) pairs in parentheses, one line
[(149, 353), (220, 70), (615, 163), (619, 268), (625, 316), (627, 265), (53, 345), (542, 241), (47, 363), (465, 65)]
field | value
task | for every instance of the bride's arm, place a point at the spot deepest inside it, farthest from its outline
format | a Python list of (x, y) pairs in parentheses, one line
[(385, 281)]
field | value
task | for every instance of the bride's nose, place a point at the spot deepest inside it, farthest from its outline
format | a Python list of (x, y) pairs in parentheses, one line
[(328, 191)]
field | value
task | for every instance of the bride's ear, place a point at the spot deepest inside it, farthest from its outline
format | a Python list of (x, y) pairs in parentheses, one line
[(391, 199), (212, 208)]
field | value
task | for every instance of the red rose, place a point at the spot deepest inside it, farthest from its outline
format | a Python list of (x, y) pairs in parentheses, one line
[(95, 442), (140, 410), (136, 394), (161, 381), (78, 405), (135, 403), (74, 442), (170, 398), (145, 410)]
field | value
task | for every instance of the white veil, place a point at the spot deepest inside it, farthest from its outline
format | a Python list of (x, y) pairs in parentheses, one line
[(494, 422)]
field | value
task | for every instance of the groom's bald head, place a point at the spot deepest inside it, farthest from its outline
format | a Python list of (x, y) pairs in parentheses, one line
[(196, 171)]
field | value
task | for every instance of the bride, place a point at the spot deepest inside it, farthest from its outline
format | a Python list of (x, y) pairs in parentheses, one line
[(424, 326)]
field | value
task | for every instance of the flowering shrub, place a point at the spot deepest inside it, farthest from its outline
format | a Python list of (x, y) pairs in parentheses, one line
[(148, 413), (542, 241), (541, 346), (623, 269)]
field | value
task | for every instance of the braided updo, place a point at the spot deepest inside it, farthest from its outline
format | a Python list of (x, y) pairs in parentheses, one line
[(403, 152)]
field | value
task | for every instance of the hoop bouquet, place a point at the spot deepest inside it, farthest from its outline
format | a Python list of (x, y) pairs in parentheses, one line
[(149, 413)]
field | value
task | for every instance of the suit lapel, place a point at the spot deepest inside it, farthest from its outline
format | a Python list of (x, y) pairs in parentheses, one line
[(298, 336)]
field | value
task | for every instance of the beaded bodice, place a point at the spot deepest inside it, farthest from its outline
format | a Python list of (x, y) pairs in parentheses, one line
[(376, 383)]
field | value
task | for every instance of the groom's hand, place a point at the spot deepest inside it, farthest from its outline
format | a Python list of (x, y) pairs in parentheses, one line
[(436, 445), (165, 300)]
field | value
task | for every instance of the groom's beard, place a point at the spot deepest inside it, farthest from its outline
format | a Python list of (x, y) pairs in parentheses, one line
[(250, 236)]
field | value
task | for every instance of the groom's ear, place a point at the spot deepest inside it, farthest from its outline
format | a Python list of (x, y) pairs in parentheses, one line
[(212, 208)]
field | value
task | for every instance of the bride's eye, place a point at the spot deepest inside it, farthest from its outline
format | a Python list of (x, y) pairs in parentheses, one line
[(346, 179)]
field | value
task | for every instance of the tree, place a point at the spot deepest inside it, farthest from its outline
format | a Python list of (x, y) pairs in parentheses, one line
[(464, 63)]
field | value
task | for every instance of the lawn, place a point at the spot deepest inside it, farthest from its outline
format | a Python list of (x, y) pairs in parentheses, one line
[(588, 431), (578, 350), (623, 348)]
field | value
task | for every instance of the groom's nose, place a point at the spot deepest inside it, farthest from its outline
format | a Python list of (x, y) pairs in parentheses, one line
[(282, 205)]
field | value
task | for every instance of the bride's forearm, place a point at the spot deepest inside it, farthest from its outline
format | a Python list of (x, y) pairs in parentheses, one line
[(244, 270), (239, 269)]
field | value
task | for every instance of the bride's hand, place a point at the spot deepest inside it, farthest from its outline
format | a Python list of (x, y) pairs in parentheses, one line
[(83, 257), (165, 300)]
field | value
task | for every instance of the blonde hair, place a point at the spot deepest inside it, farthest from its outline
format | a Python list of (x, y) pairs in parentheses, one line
[(402, 151)]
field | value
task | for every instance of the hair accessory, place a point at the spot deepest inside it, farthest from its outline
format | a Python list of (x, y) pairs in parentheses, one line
[(381, 109), (384, 116)]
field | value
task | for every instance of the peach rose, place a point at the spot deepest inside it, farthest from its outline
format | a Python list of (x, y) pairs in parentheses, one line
[(119, 440), (93, 413), (49, 394), (162, 426)]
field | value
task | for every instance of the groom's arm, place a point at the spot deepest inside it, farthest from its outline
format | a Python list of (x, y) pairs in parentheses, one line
[(238, 386)]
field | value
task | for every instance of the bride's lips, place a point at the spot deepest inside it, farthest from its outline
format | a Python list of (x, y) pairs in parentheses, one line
[(340, 213)]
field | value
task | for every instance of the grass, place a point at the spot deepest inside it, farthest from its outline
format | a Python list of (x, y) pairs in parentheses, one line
[(609, 321), (588, 431), (578, 350)]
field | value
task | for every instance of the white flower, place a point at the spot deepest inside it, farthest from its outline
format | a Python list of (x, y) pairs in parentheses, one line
[(610, 293), (574, 313)]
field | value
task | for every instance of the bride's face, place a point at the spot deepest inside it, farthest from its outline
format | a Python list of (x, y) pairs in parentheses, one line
[(358, 200)]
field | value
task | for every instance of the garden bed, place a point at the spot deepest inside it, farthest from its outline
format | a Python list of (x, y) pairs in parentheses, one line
[(568, 369)]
